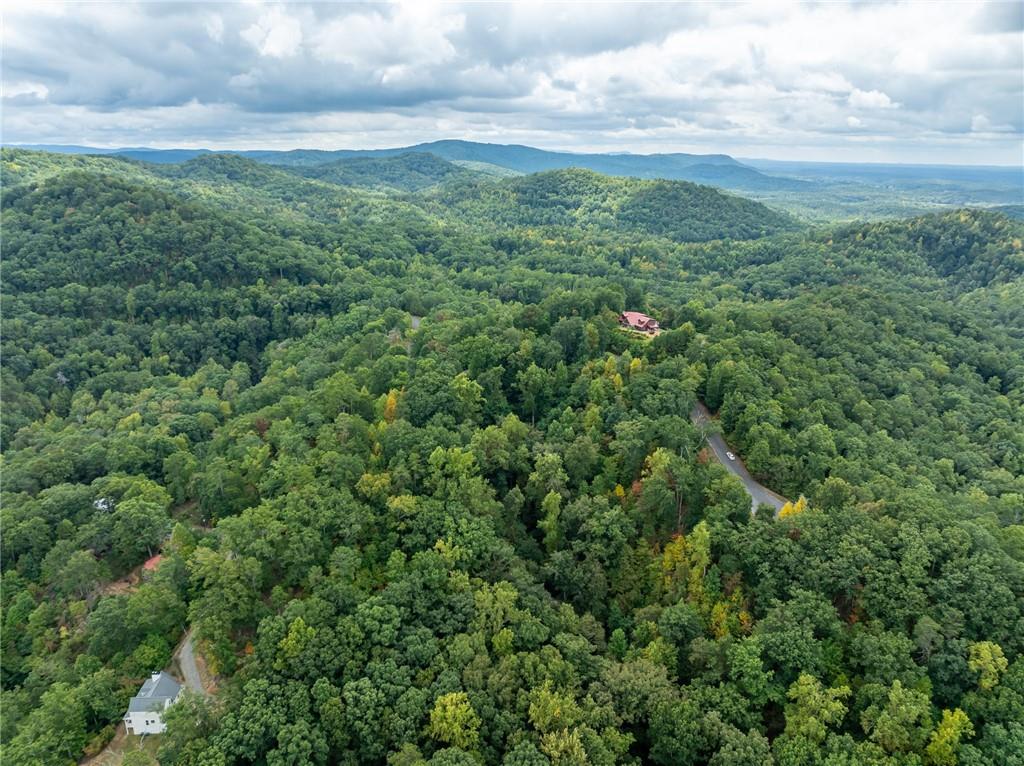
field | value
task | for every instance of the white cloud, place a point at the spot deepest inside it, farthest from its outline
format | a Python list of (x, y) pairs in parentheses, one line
[(980, 123), (275, 34), (215, 28), (410, 35), (911, 60), (870, 99), (854, 122), (35, 90)]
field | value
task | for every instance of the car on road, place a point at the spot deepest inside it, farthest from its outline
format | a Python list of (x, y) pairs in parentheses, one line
[(730, 455)]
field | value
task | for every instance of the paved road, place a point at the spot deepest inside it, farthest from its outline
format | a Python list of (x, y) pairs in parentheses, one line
[(758, 494), (187, 662)]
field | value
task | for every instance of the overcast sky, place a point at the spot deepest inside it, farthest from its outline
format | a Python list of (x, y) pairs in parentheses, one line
[(913, 82)]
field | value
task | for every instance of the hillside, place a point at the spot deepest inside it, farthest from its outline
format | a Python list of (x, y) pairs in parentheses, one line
[(676, 210), (409, 172), (283, 200), (494, 536), (967, 248)]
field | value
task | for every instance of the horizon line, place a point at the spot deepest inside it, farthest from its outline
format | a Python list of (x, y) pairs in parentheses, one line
[(142, 148)]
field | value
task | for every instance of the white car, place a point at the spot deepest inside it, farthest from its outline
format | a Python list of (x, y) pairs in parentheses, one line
[(730, 455)]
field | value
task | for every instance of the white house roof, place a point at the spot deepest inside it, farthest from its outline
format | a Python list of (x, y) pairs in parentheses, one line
[(157, 690)]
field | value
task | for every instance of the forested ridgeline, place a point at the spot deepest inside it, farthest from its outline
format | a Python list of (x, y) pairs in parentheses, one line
[(497, 538), (676, 210)]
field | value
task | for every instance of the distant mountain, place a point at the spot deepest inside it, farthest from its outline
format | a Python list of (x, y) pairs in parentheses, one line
[(712, 169), (144, 154), (162, 156), (887, 172), (946, 184), (404, 172), (64, 148), (677, 210)]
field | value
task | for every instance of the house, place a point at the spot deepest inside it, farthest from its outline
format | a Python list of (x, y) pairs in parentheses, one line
[(634, 320), (145, 710)]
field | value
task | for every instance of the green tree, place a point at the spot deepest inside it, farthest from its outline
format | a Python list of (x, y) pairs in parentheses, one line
[(813, 708), (988, 661), (899, 721), (454, 721), (944, 746)]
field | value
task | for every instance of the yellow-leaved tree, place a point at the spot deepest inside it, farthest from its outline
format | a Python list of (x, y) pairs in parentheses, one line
[(793, 509), (390, 406)]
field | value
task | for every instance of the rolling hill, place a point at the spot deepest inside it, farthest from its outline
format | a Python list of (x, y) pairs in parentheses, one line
[(402, 172), (677, 210)]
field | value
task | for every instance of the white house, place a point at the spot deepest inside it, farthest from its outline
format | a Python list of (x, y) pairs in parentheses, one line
[(145, 710)]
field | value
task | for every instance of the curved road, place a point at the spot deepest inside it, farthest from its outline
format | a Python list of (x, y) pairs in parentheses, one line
[(187, 662), (758, 493)]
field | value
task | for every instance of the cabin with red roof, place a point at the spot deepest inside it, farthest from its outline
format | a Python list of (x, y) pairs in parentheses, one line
[(634, 320)]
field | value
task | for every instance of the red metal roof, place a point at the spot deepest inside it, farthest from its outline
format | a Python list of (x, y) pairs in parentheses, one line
[(153, 563), (636, 319)]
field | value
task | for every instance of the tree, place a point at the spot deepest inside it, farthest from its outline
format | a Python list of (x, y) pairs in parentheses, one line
[(739, 749), (548, 476), (726, 499), (190, 723), (988, 661), (813, 708), (899, 720), (54, 733), (80, 575), (454, 721), (138, 758), (469, 396), (944, 746), (677, 737), (139, 527), (552, 710), (790, 509), (533, 383), (551, 508)]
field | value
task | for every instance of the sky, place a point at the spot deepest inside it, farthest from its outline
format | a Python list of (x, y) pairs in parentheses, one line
[(933, 82)]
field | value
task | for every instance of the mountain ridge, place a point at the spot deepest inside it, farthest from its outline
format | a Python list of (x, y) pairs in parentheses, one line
[(715, 169)]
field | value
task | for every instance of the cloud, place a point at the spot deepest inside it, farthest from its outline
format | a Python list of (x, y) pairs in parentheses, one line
[(32, 90), (980, 123), (870, 99), (411, 36), (274, 34), (749, 79), (215, 28)]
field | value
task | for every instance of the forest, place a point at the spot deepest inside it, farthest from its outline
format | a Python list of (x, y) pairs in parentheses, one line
[(420, 500)]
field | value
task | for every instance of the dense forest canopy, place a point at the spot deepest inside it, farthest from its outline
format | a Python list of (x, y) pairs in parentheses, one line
[(676, 210), (420, 499), (405, 172)]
